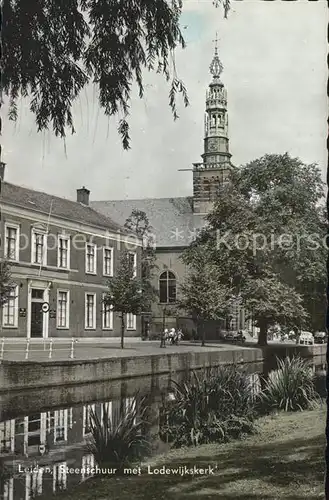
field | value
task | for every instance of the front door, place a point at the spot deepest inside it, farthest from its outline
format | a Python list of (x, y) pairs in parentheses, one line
[(36, 319)]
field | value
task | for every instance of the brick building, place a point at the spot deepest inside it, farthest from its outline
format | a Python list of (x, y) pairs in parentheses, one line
[(62, 253)]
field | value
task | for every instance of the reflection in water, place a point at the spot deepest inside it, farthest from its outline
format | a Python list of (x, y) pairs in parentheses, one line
[(45, 452)]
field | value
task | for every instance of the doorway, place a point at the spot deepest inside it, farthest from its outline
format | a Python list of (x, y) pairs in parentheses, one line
[(37, 315)]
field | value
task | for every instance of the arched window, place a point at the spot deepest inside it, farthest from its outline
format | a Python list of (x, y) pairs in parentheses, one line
[(167, 287)]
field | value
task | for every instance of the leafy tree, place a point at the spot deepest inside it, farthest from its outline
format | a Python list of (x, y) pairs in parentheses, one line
[(138, 222), (290, 201), (125, 293), (53, 49), (203, 295), (271, 302), (267, 235), (6, 284)]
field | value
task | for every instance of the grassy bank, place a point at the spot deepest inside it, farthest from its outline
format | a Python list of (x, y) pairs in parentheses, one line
[(285, 459)]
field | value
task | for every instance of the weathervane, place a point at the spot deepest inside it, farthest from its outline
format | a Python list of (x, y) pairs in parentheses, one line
[(216, 66)]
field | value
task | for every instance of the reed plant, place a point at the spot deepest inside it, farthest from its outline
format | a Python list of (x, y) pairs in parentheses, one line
[(211, 407), (291, 387), (118, 443)]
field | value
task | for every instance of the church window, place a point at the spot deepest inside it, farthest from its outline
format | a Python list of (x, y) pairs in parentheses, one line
[(167, 287)]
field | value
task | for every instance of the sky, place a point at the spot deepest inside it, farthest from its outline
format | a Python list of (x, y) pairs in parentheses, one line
[(275, 72)]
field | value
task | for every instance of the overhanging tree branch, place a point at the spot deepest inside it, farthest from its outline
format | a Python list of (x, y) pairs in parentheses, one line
[(52, 49)]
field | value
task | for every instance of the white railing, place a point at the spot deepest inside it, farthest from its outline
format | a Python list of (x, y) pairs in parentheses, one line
[(50, 348), (48, 345), (27, 350), (2, 348)]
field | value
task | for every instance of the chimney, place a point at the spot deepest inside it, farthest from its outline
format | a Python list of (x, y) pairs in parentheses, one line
[(2, 170), (83, 196)]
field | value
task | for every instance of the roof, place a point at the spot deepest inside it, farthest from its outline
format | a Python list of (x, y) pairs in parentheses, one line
[(60, 207), (172, 219)]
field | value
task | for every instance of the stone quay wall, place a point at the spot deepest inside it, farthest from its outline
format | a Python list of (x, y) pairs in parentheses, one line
[(21, 375), (27, 375)]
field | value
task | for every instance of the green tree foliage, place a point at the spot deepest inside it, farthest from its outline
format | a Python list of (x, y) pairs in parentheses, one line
[(266, 235), (125, 292), (272, 302), (6, 284), (138, 222), (203, 295), (54, 48)]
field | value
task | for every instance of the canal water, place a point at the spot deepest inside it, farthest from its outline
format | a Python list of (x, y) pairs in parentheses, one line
[(43, 433)]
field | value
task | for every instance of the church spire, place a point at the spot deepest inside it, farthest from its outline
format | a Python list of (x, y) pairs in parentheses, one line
[(216, 66)]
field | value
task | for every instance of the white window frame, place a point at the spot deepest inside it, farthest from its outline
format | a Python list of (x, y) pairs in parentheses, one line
[(70, 418), (109, 410), (167, 281), (134, 327), (9, 225), (111, 270), (104, 312), (95, 258), (87, 462), (93, 327), (135, 263), (15, 305), (49, 418), (67, 326), (130, 403), (33, 484), (8, 490), (60, 416), (85, 416), (68, 239), (7, 434), (34, 233), (59, 476)]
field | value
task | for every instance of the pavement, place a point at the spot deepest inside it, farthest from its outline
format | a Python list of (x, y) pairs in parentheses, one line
[(61, 350)]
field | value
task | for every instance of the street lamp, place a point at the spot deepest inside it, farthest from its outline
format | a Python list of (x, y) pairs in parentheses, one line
[(164, 312)]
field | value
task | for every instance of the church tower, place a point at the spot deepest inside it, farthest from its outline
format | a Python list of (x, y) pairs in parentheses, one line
[(212, 172)]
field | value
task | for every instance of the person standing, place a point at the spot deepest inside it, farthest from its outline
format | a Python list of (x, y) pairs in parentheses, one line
[(147, 330), (164, 336), (172, 335), (179, 335)]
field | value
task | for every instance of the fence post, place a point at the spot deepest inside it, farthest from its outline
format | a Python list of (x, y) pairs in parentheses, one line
[(27, 349), (2, 348), (72, 348), (50, 348)]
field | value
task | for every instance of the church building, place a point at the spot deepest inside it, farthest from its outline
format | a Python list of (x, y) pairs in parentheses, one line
[(176, 221)]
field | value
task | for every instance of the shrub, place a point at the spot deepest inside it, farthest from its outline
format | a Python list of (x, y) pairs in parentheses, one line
[(118, 444), (212, 407), (290, 387)]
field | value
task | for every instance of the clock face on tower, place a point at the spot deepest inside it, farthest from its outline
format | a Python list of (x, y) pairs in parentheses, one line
[(212, 145)]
